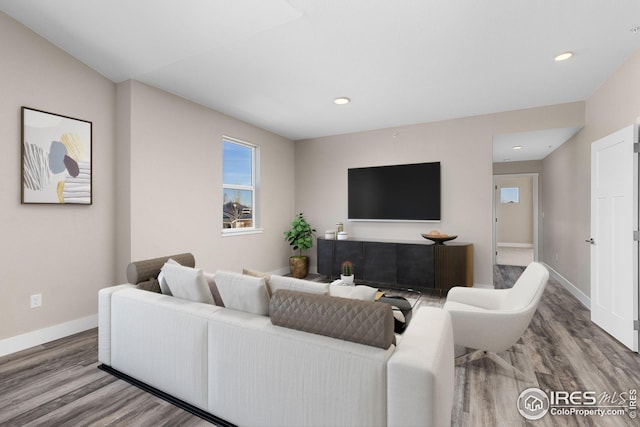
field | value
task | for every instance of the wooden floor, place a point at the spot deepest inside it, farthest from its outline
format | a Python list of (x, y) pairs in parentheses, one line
[(561, 351), (58, 384)]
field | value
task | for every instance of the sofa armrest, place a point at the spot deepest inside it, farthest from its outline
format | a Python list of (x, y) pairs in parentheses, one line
[(104, 321), (420, 373)]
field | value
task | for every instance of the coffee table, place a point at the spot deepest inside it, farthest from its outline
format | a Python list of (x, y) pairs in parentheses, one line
[(402, 304)]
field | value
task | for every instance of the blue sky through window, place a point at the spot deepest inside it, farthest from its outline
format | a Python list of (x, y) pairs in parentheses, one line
[(510, 195), (236, 168), (237, 173)]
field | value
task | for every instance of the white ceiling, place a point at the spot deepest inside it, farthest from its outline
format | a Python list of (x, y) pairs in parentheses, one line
[(279, 64), (534, 145)]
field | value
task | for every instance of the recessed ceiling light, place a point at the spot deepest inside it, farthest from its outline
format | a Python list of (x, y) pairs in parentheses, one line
[(563, 56), (342, 100), (517, 147)]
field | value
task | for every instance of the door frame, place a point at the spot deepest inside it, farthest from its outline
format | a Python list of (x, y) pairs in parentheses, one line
[(535, 176)]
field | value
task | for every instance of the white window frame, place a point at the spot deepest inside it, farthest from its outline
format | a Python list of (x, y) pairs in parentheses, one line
[(255, 228)]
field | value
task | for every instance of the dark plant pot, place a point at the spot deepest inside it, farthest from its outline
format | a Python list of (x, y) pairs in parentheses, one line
[(299, 266)]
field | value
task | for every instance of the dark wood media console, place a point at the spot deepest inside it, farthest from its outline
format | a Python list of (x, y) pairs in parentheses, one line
[(402, 264)]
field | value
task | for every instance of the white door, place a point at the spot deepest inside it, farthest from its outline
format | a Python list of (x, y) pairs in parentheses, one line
[(614, 253)]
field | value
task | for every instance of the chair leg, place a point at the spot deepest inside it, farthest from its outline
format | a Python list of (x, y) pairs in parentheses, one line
[(479, 354), (506, 365), (470, 357)]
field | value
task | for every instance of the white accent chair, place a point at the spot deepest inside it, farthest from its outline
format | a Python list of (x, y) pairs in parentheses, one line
[(493, 320)]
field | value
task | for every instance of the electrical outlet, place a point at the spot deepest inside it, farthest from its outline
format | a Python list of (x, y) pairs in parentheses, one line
[(36, 300)]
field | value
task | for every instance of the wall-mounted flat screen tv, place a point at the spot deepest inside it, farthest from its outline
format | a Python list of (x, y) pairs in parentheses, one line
[(395, 193)]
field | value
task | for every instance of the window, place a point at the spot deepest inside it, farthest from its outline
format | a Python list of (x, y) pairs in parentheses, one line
[(510, 195), (238, 185)]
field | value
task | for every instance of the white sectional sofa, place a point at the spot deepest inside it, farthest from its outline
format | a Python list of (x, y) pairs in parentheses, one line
[(243, 369)]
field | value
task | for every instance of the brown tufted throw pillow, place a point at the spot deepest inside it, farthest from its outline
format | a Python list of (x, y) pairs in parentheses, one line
[(363, 322)]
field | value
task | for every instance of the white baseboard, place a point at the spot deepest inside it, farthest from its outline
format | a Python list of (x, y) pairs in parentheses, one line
[(41, 336), (584, 299), (514, 245)]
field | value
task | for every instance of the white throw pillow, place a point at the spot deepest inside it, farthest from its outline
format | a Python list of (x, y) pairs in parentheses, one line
[(164, 288), (255, 273), (300, 285), (361, 292), (243, 293), (187, 283)]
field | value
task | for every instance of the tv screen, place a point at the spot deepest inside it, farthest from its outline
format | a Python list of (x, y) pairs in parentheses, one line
[(395, 193)]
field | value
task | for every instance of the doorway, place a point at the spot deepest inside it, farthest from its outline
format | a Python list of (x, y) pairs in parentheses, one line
[(515, 212), (614, 248)]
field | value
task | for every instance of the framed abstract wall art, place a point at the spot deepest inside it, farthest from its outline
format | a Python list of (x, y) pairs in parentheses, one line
[(56, 158)]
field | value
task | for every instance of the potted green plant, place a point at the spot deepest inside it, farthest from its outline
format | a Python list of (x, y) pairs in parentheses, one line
[(300, 237), (346, 272)]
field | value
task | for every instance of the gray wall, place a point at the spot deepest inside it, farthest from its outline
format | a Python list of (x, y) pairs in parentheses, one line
[(65, 253), (464, 148), (156, 185), (527, 167), (567, 174), (515, 220), (171, 195)]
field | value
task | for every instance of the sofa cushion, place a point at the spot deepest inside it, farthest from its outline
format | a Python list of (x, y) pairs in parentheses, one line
[(187, 283), (291, 283), (163, 342), (266, 375), (243, 293), (363, 322)]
